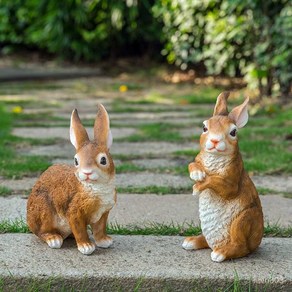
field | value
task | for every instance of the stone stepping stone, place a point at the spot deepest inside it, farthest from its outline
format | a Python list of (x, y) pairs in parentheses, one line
[(182, 122), (144, 179), (277, 183), (191, 132), (63, 132), (143, 209), (155, 163), (119, 148), (19, 185)]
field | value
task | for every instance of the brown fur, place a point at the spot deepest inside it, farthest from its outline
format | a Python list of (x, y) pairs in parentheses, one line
[(60, 204), (230, 183)]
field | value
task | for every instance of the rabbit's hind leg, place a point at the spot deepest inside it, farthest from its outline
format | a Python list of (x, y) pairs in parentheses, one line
[(195, 242), (245, 236)]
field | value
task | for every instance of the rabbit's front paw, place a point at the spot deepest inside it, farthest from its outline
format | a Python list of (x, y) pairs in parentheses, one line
[(105, 242), (217, 257), (196, 192), (55, 241), (197, 175), (86, 248)]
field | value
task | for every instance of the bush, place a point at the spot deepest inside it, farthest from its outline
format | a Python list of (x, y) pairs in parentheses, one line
[(250, 38), (76, 29)]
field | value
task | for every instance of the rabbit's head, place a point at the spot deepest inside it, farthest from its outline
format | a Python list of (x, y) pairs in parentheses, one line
[(93, 161), (219, 135)]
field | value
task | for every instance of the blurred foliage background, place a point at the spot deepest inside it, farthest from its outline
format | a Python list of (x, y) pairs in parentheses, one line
[(241, 38)]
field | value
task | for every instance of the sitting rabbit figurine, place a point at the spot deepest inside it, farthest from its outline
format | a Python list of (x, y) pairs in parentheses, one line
[(229, 206), (66, 199)]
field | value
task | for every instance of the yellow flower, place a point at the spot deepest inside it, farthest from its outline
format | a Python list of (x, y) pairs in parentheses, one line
[(123, 88), (17, 110)]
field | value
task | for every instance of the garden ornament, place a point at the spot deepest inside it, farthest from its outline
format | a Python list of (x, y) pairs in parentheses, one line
[(66, 199), (229, 205)]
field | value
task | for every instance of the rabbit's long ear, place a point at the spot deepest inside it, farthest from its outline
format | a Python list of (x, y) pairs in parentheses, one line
[(102, 132), (221, 104), (78, 134), (240, 114)]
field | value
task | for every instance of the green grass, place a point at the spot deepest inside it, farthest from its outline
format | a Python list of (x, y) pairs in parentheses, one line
[(274, 230), (48, 284), (40, 120), (152, 189), (13, 164), (20, 142), (133, 107), (19, 87), (130, 86), (189, 153), (13, 226), (129, 167), (152, 228), (155, 132), (28, 103), (57, 283), (267, 191), (201, 95), (263, 143), (4, 191)]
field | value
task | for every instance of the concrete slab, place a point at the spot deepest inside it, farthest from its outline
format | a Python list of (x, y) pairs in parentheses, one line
[(278, 183), (63, 132), (19, 185), (124, 148), (21, 74), (148, 178), (141, 210), (144, 179), (155, 163), (152, 263), (184, 122)]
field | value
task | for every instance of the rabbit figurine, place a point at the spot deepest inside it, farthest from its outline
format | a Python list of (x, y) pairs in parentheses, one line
[(229, 205), (66, 199)]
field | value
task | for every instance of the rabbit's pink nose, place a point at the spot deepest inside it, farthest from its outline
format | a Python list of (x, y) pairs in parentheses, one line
[(214, 141)]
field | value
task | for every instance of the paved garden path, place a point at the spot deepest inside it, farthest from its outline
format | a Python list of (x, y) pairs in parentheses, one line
[(155, 161), (154, 187)]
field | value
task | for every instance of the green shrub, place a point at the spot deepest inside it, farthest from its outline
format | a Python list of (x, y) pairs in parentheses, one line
[(76, 29), (249, 38)]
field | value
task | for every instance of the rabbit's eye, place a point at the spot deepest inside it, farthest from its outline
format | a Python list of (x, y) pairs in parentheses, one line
[(233, 133), (205, 129), (103, 160), (76, 161)]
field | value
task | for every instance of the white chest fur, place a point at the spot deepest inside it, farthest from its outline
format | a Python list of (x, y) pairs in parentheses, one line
[(106, 195), (215, 163), (216, 216)]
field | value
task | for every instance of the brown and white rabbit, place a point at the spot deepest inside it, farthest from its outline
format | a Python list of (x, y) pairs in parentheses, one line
[(66, 199), (229, 206)]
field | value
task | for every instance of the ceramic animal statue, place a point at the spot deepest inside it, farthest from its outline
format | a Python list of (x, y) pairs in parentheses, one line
[(229, 206), (66, 199)]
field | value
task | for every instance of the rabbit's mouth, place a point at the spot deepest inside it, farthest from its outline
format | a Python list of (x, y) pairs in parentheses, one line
[(215, 150), (215, 146), (88, 177)]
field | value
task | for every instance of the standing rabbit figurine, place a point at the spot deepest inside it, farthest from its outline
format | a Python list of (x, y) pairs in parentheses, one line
[(66, 199), (229, 206)]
